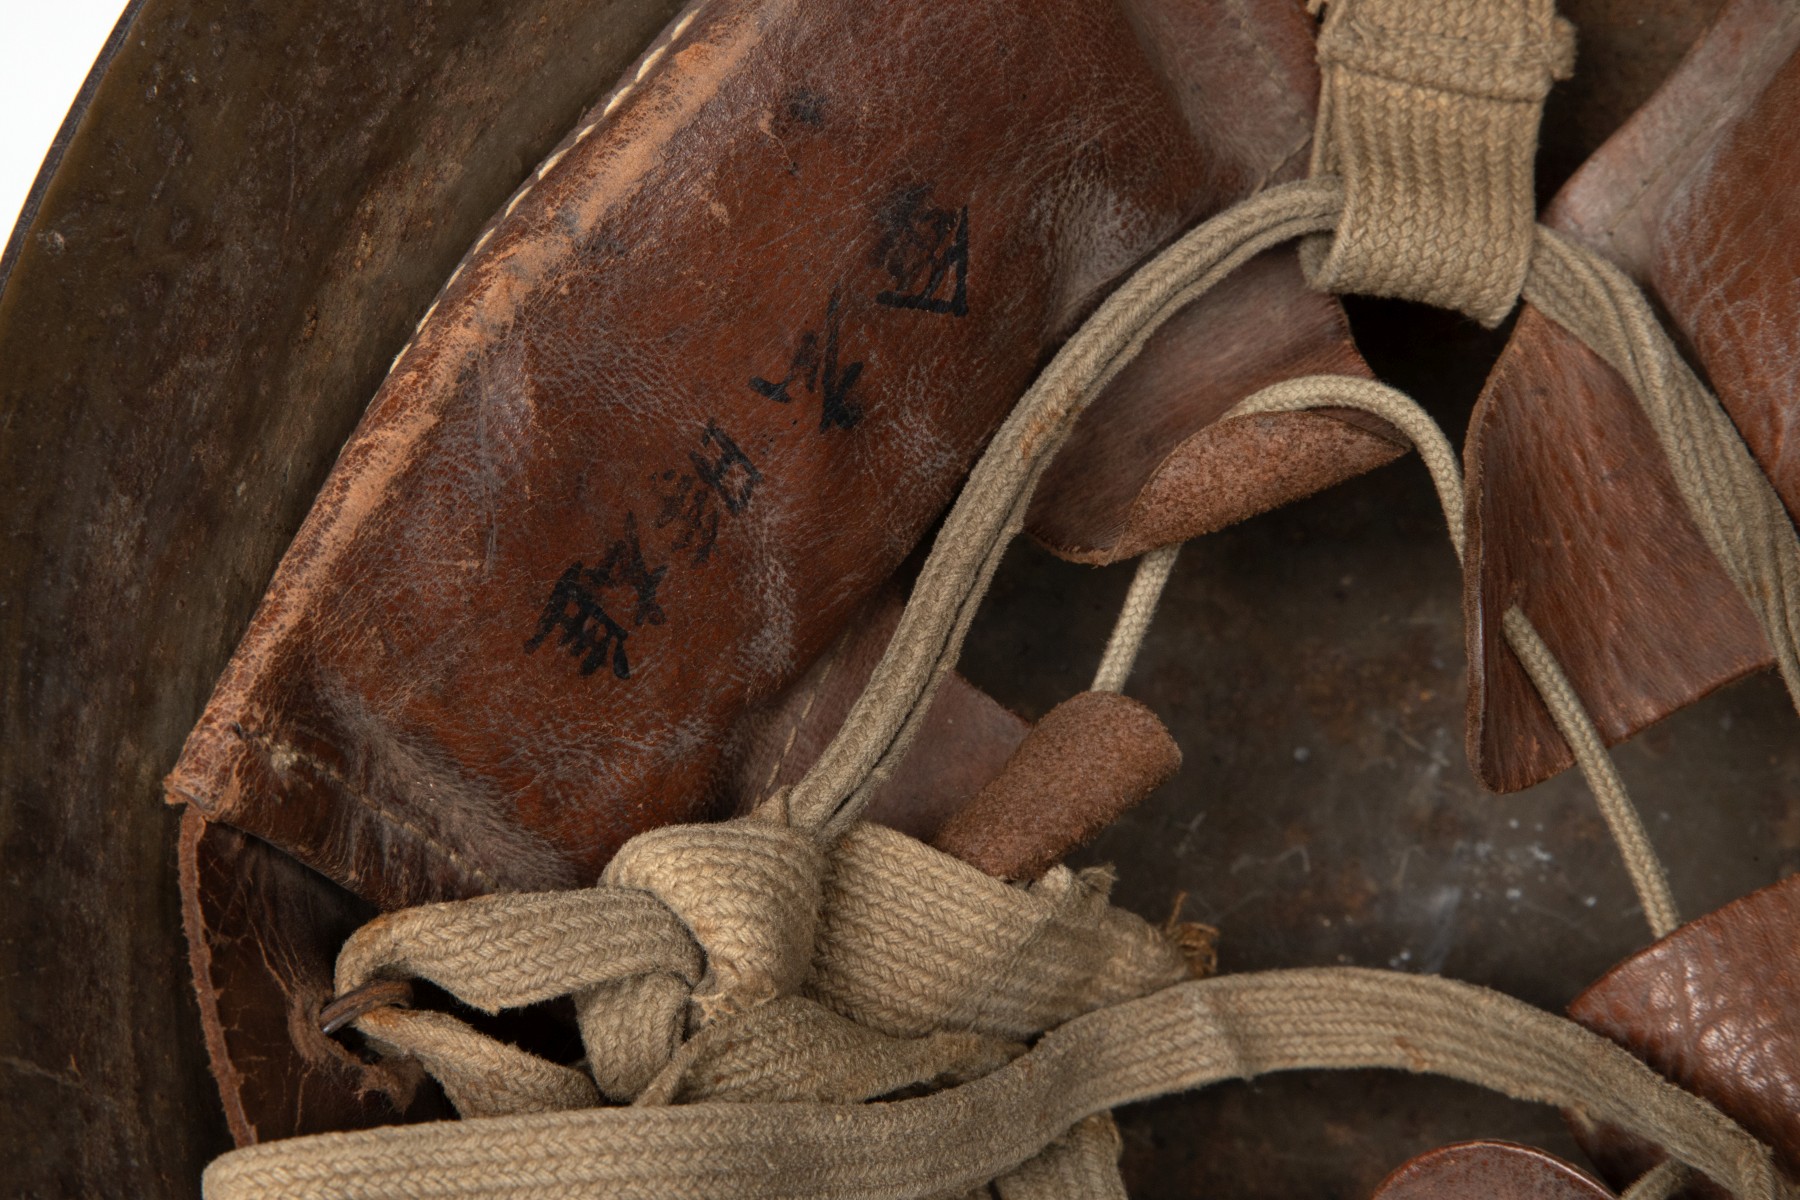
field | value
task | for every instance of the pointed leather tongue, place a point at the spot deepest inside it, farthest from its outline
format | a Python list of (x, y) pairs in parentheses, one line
[(1574, 514), (1149, 465)]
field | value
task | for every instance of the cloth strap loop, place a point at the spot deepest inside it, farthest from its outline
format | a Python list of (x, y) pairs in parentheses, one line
[(1429, 112), (1498, 52)]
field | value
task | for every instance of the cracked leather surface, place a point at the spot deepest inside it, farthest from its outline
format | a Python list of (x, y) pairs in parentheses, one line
[(1573, 509), (1715, 1007), (1085, 763), (693, 397), (689, 401)]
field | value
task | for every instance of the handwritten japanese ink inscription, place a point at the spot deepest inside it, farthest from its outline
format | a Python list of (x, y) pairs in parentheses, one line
[(578, 611), (725, 469), (578, 617), (624, 567), (817, 368), (722, 475), (925, 251), (692, 508)]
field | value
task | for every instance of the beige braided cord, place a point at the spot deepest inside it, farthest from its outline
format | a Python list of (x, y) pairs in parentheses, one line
[(806, 961), (1572, 719), (554, 943), (1729, 497), (1186, 1036), (991, 509), (533, 1153), (1660, 1182), (1391, 405), (1083, 1163), (478, 1073), (1135, 615), (1577, 726)]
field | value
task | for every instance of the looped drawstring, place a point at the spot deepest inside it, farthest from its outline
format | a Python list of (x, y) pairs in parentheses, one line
[(956, 1139), (1572, 720), (914, 971), (899, 994), (748, 987), (991, 510)]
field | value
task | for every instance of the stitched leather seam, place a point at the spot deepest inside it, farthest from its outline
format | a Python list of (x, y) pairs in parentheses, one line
[(654, 57), (794, 732), (276, 750)]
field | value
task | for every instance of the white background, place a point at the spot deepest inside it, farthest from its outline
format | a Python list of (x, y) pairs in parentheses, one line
[(46, 48)]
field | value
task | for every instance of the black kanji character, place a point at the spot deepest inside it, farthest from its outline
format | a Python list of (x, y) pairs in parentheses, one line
[(726, 469), (580, 621), (821, 373), (804, 366), (925, 250), (624, 566), (694, 510), (836, 405)]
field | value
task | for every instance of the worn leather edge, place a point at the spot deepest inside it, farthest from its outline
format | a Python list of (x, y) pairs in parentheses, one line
[(218, 1054), (1090, 759), (1622, 587), (1710, 1062), (261, 935), (1489, 1170), (1149, 464)]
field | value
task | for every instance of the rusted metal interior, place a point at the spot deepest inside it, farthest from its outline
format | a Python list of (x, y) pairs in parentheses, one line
[(249, 209)]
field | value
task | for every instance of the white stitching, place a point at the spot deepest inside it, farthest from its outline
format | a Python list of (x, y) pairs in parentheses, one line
[(544, 168), (649, 62)]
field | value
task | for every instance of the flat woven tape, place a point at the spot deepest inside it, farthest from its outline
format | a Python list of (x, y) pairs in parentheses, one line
[(1430, 114)]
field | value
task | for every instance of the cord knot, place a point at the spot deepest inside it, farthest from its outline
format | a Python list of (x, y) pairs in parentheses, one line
[(748, 891), (748, 962)]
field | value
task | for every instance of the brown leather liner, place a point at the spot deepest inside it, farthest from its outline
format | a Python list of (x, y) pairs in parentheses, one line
[(1148, 466), (1576, 514), (1574, 517), (965, 741), (693, 398), (688, 402), (1490, 1171), (1715, 1007), (263, 935), (264, 931)]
